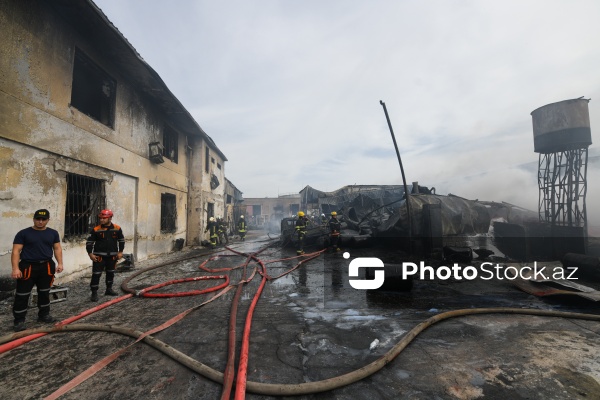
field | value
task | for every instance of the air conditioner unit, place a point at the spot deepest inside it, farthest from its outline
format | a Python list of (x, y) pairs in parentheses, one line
[(156, 153)]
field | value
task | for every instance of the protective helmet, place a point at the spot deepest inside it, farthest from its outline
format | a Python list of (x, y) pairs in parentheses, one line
[(242, 217), (322, 215), (333, 213), (212, 219), (105, 214), (301, 213)]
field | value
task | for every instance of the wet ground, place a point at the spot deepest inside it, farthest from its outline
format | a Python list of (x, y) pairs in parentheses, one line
[(311, 325)]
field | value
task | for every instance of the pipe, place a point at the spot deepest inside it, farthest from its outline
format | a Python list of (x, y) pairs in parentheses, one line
[(406, 194)]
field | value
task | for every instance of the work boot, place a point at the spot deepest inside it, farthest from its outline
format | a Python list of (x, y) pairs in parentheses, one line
[(47, 319), (110, 292), (19, 326), (94, 295)]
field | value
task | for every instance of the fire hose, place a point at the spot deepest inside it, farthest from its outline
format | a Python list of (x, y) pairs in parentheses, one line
[(257, 387), (274, 389)]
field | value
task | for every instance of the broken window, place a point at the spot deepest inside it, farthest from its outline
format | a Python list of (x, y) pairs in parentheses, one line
[(168, 212), (170, 144), (93, 90), (85, 199), (214, 182), (218, 165), (228, 199)]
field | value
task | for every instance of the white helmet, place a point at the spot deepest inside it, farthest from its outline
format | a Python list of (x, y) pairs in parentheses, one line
[(211, 219), (322, 215), (242, 216)]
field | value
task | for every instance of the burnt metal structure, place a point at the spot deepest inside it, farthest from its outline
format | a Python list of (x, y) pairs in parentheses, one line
[(562, 135)]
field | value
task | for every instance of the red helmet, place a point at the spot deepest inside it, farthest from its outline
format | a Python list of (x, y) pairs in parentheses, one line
[(105, 214)]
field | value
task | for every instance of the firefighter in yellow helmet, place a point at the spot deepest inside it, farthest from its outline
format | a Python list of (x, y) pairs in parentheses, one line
[(242, 227), (334, 232), (301, 225)]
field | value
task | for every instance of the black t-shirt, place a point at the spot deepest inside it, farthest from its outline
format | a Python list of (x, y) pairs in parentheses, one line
[(37, 245)]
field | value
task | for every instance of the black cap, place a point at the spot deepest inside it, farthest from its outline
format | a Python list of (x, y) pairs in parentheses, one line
[(43, 213)]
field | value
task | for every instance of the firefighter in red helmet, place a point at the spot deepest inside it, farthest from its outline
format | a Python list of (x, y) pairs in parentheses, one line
[(105, 246)]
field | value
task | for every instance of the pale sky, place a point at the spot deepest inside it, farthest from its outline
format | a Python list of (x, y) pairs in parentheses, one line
[(290, 90)]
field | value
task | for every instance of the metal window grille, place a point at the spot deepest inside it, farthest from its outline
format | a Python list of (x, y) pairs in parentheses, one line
[(168, 212), (85, 199)]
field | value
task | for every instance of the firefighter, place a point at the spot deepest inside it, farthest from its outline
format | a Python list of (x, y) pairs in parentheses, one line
[(323, 219), (301, 225), (334, 232), (105, 246), (222, 231), (211, 228), (241, 224)]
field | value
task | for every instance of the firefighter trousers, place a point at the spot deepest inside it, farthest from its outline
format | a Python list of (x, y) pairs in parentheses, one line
[(104, 264), (39, 274)]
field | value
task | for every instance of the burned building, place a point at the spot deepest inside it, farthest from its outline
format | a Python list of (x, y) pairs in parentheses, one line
[(88, 124)]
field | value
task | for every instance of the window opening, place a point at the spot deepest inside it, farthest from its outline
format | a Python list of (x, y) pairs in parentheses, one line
[(170, 144), (85, 199), (93, 90), (206, 158), (168, 212), (294, 208), (210, 210)]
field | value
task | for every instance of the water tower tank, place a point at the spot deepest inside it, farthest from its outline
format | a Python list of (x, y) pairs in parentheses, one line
[(561, 126)]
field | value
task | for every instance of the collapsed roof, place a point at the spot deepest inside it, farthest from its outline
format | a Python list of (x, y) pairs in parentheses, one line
[(381, 210)]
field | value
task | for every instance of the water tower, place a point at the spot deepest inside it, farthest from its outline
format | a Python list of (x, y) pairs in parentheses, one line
[(561, 136)]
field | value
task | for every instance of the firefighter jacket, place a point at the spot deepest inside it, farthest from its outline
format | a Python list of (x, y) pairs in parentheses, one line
[(211, 227), (301, 224), (334, 225), (105, 240), (241, 225), (223, 226)]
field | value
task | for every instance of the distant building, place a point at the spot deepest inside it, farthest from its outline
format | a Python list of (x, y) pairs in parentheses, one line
[(233, 204), (269, 211), (87, 124)]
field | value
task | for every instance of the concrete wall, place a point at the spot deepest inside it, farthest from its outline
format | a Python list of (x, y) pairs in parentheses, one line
[(43, 138)]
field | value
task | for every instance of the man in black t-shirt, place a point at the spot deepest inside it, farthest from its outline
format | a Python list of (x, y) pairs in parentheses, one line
[(32, 265)]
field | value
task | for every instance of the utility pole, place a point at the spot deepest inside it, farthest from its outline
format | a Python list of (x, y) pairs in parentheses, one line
[(406, 194)]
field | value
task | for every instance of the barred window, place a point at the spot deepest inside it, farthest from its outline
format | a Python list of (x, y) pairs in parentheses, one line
[(85, 199), (168, 212)]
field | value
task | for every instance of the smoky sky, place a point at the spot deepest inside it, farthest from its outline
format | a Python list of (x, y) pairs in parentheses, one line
[(290, 90)]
